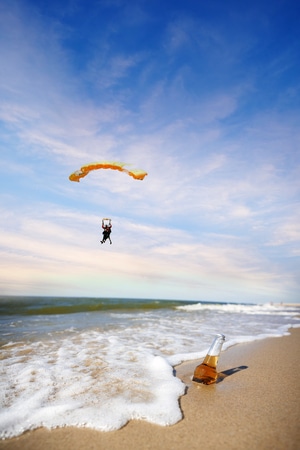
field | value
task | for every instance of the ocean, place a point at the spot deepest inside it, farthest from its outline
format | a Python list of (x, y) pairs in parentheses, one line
[(101, 362)]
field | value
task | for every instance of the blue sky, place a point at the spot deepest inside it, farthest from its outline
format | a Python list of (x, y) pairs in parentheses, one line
[(204, 96)]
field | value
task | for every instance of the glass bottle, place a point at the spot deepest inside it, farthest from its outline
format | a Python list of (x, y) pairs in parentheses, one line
[(206, 372)]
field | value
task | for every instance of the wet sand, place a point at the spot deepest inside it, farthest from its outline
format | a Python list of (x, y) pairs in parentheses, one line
[(255, 406)]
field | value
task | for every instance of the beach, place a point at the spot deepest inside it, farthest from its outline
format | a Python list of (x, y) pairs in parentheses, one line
[(256, 405)]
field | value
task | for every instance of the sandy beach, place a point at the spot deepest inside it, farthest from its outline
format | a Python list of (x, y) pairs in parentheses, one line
[(256, 405)]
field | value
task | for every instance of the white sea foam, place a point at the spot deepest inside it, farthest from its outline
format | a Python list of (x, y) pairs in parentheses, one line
[(267, 308), (103, 376), (85, 381)]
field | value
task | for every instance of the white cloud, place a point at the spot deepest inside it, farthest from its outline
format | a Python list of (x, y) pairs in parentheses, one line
[(287, 232)]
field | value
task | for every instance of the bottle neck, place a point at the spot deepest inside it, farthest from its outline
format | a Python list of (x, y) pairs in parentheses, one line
[(216, 346)]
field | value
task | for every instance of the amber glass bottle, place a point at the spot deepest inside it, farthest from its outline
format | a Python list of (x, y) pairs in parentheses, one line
[(206, 372)]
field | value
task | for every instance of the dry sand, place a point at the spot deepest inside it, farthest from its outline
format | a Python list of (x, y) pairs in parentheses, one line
[(255, 407)]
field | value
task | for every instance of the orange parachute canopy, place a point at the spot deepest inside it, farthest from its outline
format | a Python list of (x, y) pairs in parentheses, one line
[(84, 170)]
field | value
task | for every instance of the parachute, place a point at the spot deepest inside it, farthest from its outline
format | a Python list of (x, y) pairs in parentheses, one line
[(137, 174)]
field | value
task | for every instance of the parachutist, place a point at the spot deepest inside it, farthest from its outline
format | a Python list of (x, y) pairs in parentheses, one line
[(106, 231)]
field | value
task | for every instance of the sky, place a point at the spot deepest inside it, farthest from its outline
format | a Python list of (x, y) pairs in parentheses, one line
[(203, 96)]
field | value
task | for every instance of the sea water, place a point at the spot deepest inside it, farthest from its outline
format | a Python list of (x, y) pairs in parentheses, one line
[(98, 363)]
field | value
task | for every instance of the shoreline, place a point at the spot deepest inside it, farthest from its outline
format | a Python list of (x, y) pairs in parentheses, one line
[(255, 405)]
